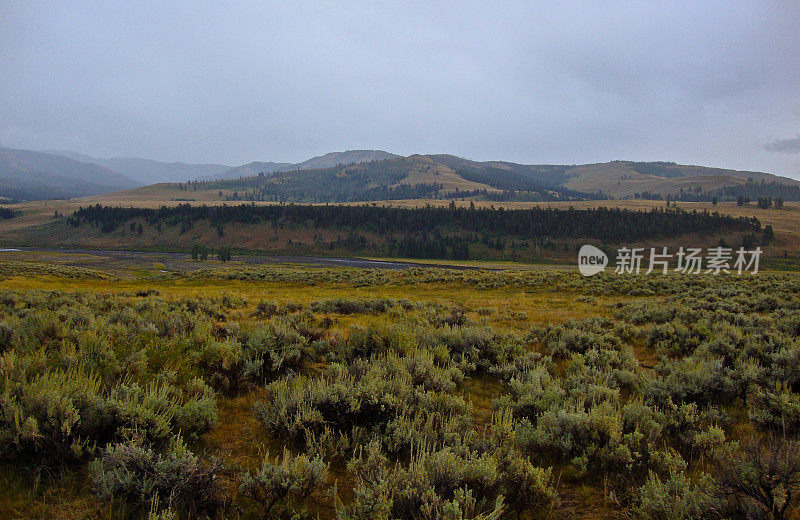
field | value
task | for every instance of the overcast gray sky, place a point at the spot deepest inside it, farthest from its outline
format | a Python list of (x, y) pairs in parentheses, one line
[(712, 83)]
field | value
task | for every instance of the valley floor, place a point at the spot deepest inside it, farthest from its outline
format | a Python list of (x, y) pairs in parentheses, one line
[(35, 226)]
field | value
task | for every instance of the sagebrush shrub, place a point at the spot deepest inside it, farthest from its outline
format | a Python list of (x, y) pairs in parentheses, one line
[(133, 473), (282, 485)]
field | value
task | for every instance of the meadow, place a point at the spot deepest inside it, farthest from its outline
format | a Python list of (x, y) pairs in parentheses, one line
[(236, 391)]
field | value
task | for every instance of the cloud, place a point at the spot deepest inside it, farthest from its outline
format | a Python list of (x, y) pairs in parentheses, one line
[(686, 81), (790, 145)]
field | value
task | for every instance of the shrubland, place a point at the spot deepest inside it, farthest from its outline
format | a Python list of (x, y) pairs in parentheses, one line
[(679, 399)]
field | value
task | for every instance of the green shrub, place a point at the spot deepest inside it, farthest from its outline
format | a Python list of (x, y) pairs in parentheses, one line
[(448, 483), (282, 486), (759, 477), (133, 473), (676, 498), (776, 408), (363, 306), (476, 346), (391, 395), (674, 339), (265, 310), (576, 337), (691, 379), (55, 415)]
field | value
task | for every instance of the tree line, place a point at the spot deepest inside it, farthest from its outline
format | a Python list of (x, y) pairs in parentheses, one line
[(742, 194), (606, 224)]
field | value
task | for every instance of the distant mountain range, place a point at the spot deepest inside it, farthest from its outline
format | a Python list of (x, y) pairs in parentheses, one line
[(148, 171), (26, 175), (376, 175)]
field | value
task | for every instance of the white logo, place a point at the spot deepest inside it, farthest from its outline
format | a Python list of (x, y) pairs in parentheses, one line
[(591, 260), (632, 260)]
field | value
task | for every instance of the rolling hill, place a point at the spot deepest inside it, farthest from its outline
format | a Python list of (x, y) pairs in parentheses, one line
[(249, 170), (615, 179), (360, 175), (349, 157), (148, 171), (328, 160), (448, 176), (30, 175), (621, 179), (412, 177), (25, 174)]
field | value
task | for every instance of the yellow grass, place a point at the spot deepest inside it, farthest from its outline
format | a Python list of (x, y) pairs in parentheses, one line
[(239, 438), (620, 180), (425, 171), (511, 308)]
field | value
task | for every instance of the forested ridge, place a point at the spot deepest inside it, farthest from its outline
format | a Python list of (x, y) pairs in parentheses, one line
[(389, 180), (432, 177)]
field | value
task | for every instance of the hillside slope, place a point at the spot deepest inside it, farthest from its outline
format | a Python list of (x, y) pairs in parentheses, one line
[(149, 171), (621, 179), (413, 177), (250, 170), (328, 160), (363, 175), (441, 176), (26, 174), (349, 157)]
